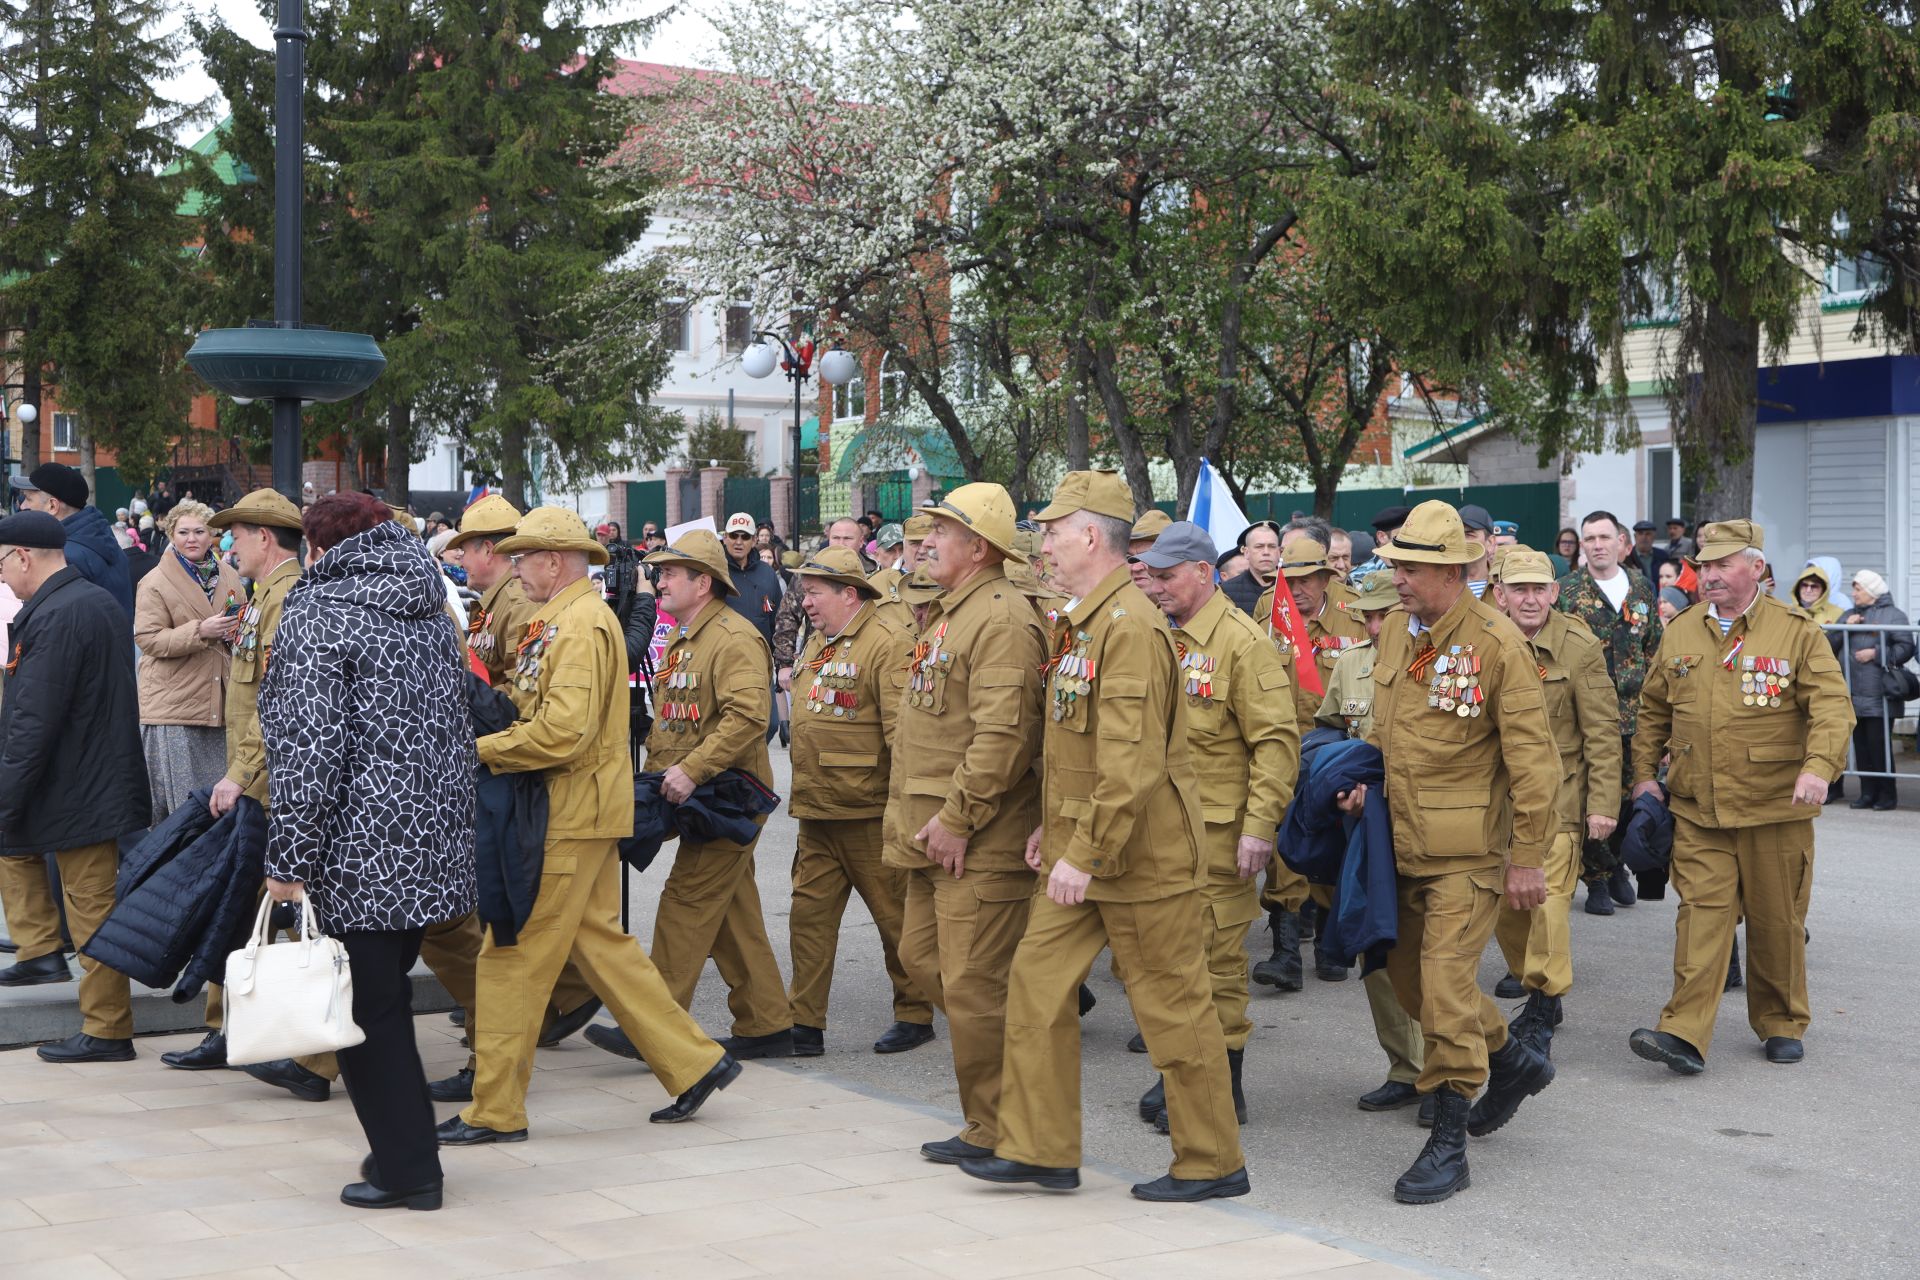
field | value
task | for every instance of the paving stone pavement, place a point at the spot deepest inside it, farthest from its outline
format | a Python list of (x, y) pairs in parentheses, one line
[(133, 1170)]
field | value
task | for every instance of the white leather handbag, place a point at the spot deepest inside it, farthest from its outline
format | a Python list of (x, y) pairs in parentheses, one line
[(288, 999)]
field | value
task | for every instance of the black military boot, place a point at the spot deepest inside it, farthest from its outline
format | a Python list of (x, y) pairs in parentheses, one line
[(1326, 965), (1734, 979), (1509, 988), (1283, 968), (1515, 1073), (1441, 1169), (1620, 888), (1599, 901), (1536, 1021), (1236, 1058), (1153, 1103)]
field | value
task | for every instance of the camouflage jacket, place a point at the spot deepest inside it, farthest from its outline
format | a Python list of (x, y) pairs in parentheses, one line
[(1629, 637)]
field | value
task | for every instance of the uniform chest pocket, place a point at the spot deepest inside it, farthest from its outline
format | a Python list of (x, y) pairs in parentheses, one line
[(1684, 679), (1559, 691), (1207, 704)]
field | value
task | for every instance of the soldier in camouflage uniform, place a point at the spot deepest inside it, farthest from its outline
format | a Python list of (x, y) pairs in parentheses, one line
[(1620, 607)]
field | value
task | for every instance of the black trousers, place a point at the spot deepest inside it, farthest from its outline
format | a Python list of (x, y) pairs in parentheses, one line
[(383, 1074), (1870, 755)]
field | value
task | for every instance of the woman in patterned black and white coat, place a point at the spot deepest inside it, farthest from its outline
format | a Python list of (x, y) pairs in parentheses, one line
[(371, 763)]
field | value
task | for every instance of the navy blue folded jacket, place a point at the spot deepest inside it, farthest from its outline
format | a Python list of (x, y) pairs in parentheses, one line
[(1647, 843), (1355, 855), (509, 825), (724, 807), (185, 897)]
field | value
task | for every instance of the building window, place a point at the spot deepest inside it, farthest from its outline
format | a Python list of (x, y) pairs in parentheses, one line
[(850, 401), (676, 320), (739, 327), (1852, 278), (66, 433), (1662, 492), (893, 386)]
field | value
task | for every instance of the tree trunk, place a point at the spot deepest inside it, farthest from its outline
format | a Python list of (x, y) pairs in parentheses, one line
[(513, 464), (1078, 444), (399, 451), (1133, 455), (30, 393), (88, 462), (1721, 415)]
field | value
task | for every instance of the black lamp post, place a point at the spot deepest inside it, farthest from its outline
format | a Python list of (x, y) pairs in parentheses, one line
[(285, 361), (796, 362)]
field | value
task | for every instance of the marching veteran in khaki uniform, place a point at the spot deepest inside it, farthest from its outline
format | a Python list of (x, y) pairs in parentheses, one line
[(1348, 706), (848, 698), (962, 795), (1746, 700), (1584, 714), (1246, 755), (573, 669), (266, 548), (1471, 772), (495, 628), (713, 701), (1331, 631), (1119, 847)]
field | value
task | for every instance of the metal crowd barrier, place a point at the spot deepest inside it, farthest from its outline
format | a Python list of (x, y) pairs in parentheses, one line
[(1868, 635)]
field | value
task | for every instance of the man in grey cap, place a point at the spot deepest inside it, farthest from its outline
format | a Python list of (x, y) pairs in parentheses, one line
[(1645, 557), (1246, 753), (72, 776)]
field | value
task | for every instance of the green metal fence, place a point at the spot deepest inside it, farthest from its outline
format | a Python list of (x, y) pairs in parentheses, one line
[(1534, 507), (646, 500)]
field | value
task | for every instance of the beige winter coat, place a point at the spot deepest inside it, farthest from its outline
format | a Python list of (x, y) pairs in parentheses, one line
[(183, 679)]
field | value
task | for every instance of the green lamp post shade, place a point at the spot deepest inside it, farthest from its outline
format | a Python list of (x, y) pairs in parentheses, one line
[(273, 363)]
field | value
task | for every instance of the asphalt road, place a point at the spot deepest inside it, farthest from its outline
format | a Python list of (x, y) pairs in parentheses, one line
[(1620, 1168)]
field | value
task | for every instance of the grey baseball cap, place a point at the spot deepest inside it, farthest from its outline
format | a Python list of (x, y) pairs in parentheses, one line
[(1179, 543), (1474, 516)]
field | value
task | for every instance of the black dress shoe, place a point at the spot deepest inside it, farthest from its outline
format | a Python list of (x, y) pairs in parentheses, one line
[(1509, 988), (1658, 1046), (287, 1074), (364, 1195), (1599, 901), (457, 1016), (1860, 802), (1153, 1103), (1885, 805), (1784, 1049), (777, 1044), (209, 1055), (614, 1041), (457, 1087), (51, 967), (953, 1151), (86, 1048), (719, 1076), (1188, 1190), (1087, 1000), (1327, 967), (1391, 1096), (1620, 888), (565, 1024), (1138, 1044), (994, 1169), (809, 1042), (1424, 1118), (455, 1132), (8, 945), (1515, 1073), (902, 1036)]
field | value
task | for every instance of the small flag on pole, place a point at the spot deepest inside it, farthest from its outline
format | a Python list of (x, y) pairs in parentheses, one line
[(1214, 509)]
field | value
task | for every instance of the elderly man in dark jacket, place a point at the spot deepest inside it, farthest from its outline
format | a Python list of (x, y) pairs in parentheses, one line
[(72, 778), (92, 550), (1872, 680)]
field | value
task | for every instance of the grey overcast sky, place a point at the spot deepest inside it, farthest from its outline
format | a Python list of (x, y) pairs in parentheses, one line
[(685, 39)]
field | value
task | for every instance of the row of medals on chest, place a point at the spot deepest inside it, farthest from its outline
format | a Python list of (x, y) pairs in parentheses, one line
[(929, 665), (833, 686), (1763, 679), (681, 715), (1455, 685), (1073, 671)]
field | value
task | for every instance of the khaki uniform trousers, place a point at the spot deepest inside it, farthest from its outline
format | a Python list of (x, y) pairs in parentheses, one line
[(1445, 922), (86, 881), (957, 939), (1231, 907), (1537, 944), (452, 950), (1766, 874), (1286, 888), (1398, 1034), (710, 906), (1168, 987), (833, 859), (577, 911)]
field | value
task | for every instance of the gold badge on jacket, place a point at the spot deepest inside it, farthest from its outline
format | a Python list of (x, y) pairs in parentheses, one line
[(526, 671)]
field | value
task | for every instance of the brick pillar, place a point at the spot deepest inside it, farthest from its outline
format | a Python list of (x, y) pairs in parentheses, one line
[(780, 502), (923, 487), (713, 485), (674, 514), (617, 506)]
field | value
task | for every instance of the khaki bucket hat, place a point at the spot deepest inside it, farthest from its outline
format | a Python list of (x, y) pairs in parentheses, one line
[(701, 552), (263, 507), (1431, 534), (1102, 492), (840, 565), (983, 509), (491, 517), (552, 529)]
